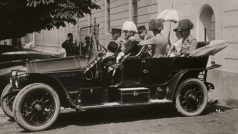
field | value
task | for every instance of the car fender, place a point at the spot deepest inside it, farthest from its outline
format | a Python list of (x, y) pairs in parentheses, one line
[(57, 86), (179, 77)]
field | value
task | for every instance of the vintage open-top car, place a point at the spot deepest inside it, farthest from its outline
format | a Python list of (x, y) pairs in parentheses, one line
[(81, 83)]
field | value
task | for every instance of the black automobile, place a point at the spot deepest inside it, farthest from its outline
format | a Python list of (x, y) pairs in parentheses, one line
[(82, 84), (15, 58)]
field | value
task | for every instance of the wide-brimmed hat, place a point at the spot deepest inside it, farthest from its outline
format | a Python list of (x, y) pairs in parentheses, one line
[(184, 24), (156, 24), (129, 26)]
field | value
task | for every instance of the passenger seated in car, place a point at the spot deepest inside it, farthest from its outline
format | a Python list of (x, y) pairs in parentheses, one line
[(175, 48), (142, 32), (114, 46), (131, 44), (145, 51), (189, 43), (130, 48), (159, 42)]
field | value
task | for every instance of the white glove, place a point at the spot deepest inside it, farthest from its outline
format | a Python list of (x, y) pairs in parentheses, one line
[(119, 57)]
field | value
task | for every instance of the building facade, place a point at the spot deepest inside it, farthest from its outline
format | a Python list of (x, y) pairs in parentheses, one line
[(213, 19)]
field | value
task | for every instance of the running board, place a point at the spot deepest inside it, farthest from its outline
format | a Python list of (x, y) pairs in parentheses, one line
[(116, 104)]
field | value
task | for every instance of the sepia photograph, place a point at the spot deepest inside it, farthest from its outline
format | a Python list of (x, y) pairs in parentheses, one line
[(119, 66)]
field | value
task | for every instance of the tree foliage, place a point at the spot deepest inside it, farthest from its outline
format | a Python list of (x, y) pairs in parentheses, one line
[(18, 17)]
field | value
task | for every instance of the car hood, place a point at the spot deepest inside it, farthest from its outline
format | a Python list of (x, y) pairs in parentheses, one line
[(19, 57), (62, 64)]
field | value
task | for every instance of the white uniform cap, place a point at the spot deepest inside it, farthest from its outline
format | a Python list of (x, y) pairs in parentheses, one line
[(129, 26)]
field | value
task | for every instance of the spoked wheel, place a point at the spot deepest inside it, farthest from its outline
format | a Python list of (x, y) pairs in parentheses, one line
[(191, 97), (36, 107), (7, 99)]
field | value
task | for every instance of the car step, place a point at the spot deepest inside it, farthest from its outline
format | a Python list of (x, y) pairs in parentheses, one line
[(117, 104)]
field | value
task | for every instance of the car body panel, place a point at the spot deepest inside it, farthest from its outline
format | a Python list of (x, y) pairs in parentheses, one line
[(160, 75)]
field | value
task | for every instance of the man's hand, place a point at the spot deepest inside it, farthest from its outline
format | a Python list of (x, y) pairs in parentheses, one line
[(119, 57)]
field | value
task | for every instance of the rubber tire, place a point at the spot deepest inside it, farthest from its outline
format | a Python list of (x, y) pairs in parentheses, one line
[(204, 104), (17, 105), (4, 105)]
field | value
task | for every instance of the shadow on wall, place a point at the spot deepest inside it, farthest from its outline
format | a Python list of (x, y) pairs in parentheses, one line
[(225, 86)]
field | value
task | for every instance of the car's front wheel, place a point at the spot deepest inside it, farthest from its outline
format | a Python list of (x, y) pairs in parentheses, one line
[(7, 99), (36, 107), (191, 97)]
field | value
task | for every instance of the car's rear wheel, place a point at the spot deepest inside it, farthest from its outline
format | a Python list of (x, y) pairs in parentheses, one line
[(7, 99), (36, 107), (191, 97)]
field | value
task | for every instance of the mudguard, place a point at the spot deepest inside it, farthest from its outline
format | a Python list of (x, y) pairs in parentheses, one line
[(56, 84), (179, 77)]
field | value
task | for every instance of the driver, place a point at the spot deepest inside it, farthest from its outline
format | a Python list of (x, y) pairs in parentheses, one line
[(114, 46), (159, 42)]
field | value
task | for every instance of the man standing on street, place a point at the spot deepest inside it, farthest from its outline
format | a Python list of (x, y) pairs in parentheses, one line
[(69, 45)]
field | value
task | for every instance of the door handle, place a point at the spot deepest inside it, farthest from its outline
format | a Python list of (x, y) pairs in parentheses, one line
[(143, 61), (145, 71)]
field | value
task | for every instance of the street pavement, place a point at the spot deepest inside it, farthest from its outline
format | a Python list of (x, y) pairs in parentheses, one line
[(161, 119)]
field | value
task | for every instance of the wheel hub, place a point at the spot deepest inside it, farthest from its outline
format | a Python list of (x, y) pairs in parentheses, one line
[(38, 107), (191, 97)]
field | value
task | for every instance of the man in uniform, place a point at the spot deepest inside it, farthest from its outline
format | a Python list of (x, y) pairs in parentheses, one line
[(69, 45), (130, 45), (159, 42), (143, 33), (189, 43), (85, 47), (114, 45)]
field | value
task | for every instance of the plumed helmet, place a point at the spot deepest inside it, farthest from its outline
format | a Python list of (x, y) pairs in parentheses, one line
[(184, 24), (156, 24), (129, 26)]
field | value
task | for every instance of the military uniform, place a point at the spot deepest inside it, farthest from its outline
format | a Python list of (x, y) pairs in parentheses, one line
[(188, 44), (159, 45), (142, 29), (69, 47), (114, 47), (131, 46), (159, 42)]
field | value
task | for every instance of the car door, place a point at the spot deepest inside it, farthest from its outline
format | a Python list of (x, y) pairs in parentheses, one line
[(155, 71), (131, 68)]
